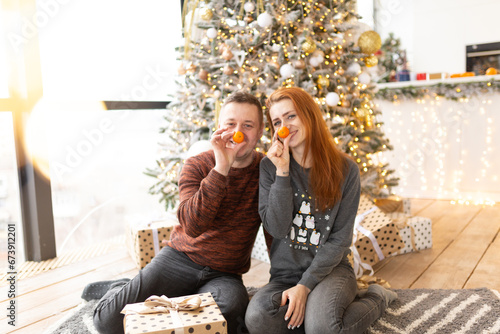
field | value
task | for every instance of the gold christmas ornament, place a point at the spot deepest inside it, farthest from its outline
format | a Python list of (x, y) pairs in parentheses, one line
[(309, 46), (203, 75), (206, 14), (340, 71), (323, 82), (369, 42), (361, 112), (228, 70), (248, 19), (227, 54), (371, 61), (299, 64)]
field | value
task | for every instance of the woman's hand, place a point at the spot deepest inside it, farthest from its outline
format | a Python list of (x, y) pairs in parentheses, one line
[(297, 298), (279, 154)]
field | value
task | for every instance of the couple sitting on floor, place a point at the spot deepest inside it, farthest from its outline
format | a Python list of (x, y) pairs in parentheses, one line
[(306, 194)]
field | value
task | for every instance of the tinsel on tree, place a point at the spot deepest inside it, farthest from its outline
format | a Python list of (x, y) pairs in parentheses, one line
[(259, 46)]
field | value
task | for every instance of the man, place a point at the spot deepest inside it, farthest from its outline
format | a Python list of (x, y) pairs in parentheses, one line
[(218, 214)]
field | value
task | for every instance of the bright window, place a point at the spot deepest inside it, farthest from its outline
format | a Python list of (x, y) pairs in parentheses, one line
[(10, 211), (4, 79), (97, 161), (111, 50)]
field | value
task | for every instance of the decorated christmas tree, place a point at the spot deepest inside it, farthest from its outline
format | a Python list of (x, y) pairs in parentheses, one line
[(259, 46), (391, 58)]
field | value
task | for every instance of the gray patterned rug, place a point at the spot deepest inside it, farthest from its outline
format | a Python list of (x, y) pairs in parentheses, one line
[(416, 311), (426, 311)]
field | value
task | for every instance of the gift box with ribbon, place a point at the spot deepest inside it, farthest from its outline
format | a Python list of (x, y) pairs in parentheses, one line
[(189, 314), (394, 204), (145, 240), (421, 76), (416, 232), (375, 237)]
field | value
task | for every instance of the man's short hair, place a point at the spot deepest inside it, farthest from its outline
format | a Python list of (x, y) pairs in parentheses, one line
[(244, 97)]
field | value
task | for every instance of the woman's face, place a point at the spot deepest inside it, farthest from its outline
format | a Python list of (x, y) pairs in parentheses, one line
[(283, 113)]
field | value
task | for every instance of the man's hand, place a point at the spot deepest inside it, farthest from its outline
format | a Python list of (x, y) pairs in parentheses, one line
[(225, 150), (297, 299)]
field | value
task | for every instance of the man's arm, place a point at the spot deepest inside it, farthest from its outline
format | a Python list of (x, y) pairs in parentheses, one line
[(200, 196), (202, 186)]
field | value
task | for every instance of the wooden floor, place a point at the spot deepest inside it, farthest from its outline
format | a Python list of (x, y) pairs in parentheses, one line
[(465, 252)]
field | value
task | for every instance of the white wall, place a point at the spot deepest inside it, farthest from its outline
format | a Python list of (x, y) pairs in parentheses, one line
[(436, 32)]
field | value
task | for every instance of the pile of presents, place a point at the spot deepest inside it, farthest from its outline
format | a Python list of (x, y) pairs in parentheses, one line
[(383, 228)]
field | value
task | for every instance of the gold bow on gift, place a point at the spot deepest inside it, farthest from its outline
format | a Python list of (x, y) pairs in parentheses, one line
[(163, 304)]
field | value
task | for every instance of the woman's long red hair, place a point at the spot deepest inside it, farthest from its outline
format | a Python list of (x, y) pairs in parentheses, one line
[(329, 165)]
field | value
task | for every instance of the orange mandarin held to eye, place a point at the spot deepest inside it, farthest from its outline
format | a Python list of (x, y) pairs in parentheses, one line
[(238, 137), (283, 132)]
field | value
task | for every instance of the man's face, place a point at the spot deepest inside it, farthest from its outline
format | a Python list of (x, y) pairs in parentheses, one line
[(242, 117)]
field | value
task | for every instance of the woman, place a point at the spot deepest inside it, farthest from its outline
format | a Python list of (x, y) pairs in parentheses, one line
[(308, 199)]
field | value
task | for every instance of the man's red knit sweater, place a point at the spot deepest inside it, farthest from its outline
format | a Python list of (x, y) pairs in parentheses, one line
[(218, 214)]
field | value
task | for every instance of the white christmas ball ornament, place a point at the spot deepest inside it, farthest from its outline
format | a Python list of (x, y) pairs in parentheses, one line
[(265, 20), (364, 78), (332, 99), (286, 71), (314, 62), (354, 68), (212, 33), (249, 7)]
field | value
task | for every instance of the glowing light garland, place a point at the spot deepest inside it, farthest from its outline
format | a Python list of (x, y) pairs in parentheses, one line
[(441, 125)]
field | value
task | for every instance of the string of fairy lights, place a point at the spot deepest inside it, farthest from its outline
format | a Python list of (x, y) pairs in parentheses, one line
[(446, 142)]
